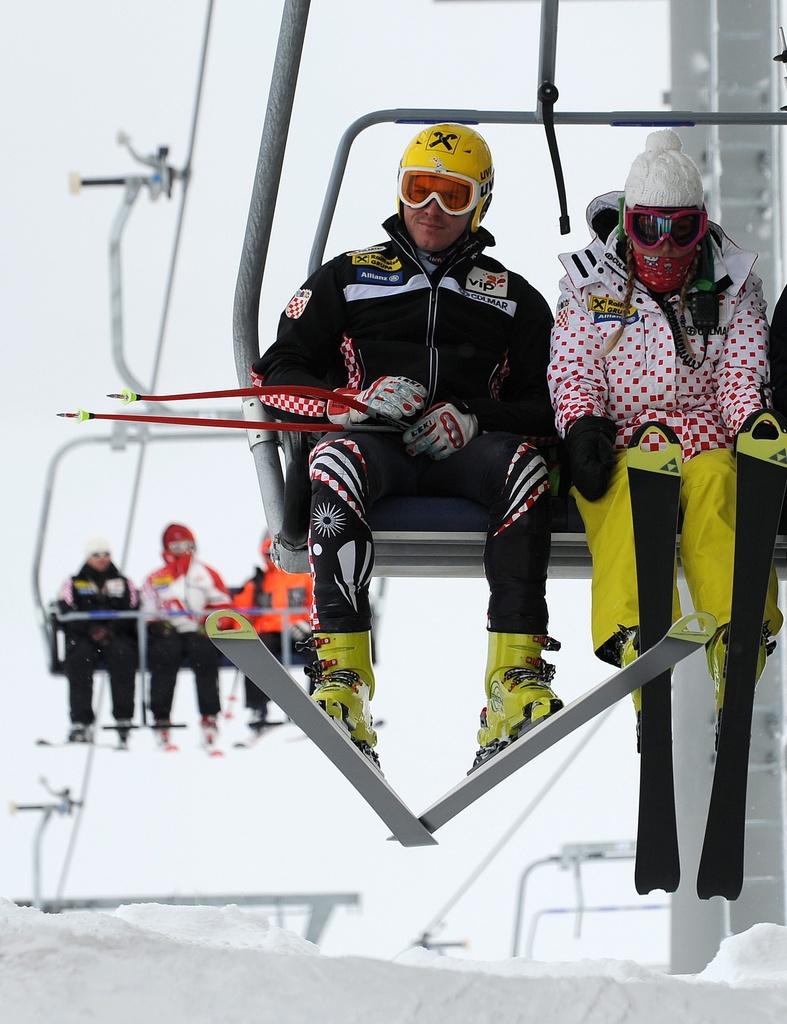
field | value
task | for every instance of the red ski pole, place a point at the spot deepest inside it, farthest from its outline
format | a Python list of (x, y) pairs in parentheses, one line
[(257, 391), (199, 421)]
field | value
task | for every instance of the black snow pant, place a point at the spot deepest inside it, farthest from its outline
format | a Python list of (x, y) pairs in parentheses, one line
[(497, 470), (165, 656), (83, 657)]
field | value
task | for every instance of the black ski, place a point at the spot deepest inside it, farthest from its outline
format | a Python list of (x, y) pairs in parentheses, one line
[(654, 485), (761, 479), (42, 741)]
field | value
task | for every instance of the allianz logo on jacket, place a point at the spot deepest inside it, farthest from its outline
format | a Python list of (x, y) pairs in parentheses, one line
[(366, 274), (487, 282)]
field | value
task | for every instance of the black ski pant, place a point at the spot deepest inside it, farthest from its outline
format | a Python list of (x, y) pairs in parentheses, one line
[(166, 655), (497, 470), (83, 657)]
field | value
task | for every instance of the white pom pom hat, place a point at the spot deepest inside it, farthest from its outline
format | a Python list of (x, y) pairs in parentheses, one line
[(664, 175), (96, 544)]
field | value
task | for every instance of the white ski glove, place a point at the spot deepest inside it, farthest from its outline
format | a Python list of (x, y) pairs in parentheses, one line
[(441, 432), (389, 398)]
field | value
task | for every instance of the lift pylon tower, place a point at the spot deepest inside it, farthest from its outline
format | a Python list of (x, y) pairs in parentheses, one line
[(720, 49)]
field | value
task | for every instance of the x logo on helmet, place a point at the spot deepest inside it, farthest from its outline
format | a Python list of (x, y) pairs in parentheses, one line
[(443, 139)]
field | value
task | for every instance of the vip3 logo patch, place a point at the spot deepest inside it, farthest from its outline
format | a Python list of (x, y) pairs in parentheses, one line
[(487, 282), (373, 259), (605, 308)]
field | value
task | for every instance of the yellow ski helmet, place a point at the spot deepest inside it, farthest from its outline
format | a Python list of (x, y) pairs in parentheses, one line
[(452, 164)]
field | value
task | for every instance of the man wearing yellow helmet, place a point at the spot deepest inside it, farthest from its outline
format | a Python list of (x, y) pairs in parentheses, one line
[(447, 344)]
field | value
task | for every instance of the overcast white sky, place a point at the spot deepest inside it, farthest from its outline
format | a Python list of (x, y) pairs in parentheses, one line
[(278, 818)]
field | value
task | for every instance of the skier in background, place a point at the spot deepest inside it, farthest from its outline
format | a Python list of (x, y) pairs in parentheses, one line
[(444, 342), (275, 591), (99, 586), (660, 318), (183, 591)]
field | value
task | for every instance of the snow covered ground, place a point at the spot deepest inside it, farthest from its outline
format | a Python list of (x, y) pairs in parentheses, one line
[(196, 964)]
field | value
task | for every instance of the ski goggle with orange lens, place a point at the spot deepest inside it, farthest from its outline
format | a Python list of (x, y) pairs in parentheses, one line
[(455, 194), (649, 226)]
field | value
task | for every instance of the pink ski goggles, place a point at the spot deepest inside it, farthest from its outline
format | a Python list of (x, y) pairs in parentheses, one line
[(650, 226)]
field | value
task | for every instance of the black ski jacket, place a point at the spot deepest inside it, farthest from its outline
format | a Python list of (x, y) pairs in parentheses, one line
[(472, 332), (93, 591)]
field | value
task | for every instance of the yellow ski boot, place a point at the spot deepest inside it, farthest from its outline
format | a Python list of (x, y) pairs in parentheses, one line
[(716, 655), (345, 685), (517, 690)]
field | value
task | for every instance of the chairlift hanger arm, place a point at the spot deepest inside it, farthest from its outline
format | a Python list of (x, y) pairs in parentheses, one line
[(462, 115)]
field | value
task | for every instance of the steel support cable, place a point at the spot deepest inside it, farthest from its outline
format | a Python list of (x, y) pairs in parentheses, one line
[(186, 173), (439, 918)]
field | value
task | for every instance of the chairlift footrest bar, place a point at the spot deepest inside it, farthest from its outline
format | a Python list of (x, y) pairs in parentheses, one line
[(685, 636), (245, 650)]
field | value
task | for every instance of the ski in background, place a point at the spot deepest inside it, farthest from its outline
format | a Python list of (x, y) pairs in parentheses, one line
[(654, 474), (761, 479), (42, 741), (122, 735), (255, 735)]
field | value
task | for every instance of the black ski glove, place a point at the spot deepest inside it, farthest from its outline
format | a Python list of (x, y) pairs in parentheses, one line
[(591, 454)]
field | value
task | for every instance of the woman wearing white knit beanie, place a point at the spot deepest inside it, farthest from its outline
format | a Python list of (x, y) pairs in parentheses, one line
[(660, 318)]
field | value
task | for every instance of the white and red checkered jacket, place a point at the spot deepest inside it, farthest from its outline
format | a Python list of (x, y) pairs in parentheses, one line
[(182, 585), (644, 377)]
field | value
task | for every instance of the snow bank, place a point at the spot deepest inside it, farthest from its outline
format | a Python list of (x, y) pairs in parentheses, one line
[(215, 927), (758, 957), (198, 965)]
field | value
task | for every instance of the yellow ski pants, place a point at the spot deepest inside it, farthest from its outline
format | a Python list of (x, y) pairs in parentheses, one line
[(707, 542)]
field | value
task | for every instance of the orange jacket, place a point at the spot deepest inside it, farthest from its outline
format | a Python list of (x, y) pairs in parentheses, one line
[(276, 589)]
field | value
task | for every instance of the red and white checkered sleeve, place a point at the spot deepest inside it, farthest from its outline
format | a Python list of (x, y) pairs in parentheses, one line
[(576, 378), (742, 370)]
